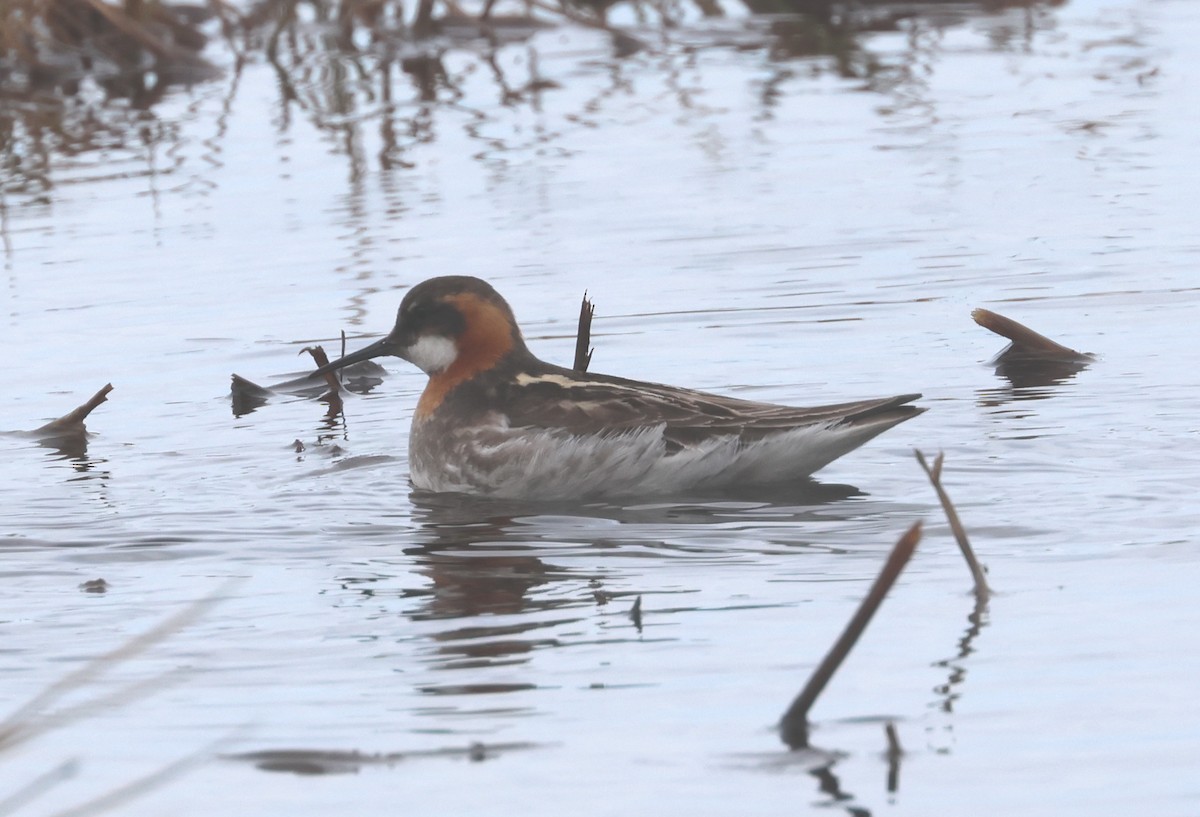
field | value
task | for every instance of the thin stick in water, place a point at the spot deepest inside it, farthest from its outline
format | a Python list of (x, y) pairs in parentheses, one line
[(894, 747), (583, 337), (894, 753), (794, 725), (332, 379), (960, 534)]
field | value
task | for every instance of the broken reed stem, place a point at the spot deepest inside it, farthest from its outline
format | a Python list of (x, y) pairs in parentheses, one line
[(794, 724), (960, 534), (894, 753), (74, 418), (332, 379), (583, 336), (893, 740)]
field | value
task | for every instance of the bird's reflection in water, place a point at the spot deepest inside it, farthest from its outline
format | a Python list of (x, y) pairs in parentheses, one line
[(487, 556), (498, 581)]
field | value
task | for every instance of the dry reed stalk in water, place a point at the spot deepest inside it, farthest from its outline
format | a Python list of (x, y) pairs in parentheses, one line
[(321, 359), (894, 753), (583, 336), (960, 534), (635, 613), (794, 724)]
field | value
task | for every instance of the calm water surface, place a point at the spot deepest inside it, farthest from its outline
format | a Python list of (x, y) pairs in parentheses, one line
[(747, 222)]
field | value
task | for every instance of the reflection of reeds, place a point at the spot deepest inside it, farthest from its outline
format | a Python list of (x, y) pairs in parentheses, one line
[(48, 48), (956, 527), (345, 64), (52, 40)]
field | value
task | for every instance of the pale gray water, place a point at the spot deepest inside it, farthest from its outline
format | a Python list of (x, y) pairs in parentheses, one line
[(746, 224)]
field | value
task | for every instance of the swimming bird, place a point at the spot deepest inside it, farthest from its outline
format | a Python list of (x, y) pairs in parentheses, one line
[(496, 420)]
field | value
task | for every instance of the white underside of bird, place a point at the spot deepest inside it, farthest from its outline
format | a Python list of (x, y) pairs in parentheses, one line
[(537, 463)]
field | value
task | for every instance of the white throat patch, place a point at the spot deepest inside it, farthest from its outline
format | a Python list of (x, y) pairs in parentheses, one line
[(432, 353)]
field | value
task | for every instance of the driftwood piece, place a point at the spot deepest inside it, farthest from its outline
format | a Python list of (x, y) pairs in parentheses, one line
[(1026, 343), (1031, 359), (72, 422)]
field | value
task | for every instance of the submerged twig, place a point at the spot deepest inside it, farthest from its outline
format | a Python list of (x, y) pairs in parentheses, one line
[(794, 724), (960, 534), (583, 336)]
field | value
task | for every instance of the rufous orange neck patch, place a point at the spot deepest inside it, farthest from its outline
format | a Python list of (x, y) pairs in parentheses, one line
[(488, 337)]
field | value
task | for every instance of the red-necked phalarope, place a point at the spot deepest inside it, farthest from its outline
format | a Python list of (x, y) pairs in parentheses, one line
[(496, 420)]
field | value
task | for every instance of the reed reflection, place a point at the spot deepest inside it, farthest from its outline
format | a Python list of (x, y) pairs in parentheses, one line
[(345, 64), (480, 558), (948, 693)]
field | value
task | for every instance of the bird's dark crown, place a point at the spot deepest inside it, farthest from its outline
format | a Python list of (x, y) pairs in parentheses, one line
[(449, 305)]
